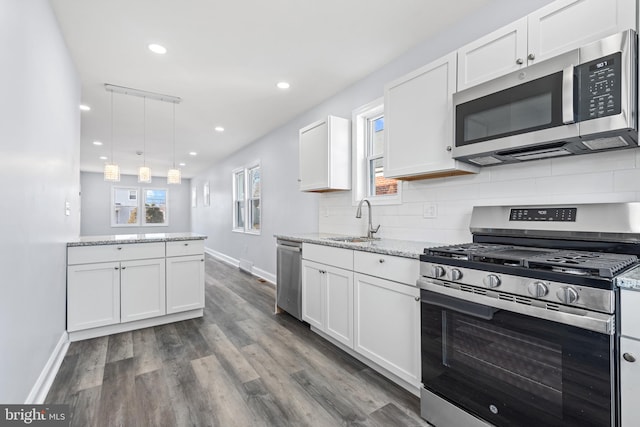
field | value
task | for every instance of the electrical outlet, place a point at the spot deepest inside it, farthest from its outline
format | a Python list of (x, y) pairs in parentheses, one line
[(430, 210)]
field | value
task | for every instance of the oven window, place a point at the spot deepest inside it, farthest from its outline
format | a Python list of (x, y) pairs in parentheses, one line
[(511, 369)]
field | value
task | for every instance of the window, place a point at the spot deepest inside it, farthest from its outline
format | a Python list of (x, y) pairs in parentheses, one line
[(368, 157), (155, 207), (246, 199), (126, 205)]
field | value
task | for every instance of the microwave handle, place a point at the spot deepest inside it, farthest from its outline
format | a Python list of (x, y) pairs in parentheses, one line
[(567, 95)]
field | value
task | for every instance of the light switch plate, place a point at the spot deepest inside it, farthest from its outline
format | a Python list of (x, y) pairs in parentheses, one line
[(429, 210), (67, 208)]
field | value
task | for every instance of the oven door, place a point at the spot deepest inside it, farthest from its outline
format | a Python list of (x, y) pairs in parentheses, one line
[(512, 369)]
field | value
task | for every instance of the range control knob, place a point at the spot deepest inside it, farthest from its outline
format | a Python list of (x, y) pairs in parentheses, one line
[(455, 274), (567, 295), (437, 271), (491, 281), (537, 289)]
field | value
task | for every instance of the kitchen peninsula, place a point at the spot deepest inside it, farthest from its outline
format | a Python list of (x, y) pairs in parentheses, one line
[(119, 283)]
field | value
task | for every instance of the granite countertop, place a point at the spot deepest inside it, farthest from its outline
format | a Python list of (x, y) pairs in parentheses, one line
[(403, 248), (116, 239), (630, 279)]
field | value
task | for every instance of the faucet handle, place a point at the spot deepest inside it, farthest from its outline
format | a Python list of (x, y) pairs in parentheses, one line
[(375, 230)]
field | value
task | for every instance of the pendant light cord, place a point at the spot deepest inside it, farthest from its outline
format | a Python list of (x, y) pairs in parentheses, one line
[(144, 143), (112, 161), (174, 135)]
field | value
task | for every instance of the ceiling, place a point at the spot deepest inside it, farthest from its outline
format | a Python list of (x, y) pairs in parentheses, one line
[(223, 60)]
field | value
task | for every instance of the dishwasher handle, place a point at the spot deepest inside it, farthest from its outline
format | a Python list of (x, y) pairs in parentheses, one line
[(461, 306), (290, 246)]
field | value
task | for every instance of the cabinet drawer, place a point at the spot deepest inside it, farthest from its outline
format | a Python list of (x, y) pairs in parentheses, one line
[(185, 247), (107, 253), (629, 313), (328, 255), (398, 269)]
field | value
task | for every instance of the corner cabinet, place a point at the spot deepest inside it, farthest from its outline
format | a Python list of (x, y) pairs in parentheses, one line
[(325, 155), (419, 123), (541, 35)]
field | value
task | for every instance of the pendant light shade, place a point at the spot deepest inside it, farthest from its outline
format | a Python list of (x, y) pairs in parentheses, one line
[(144, 172), (174, 176), (111, 170)]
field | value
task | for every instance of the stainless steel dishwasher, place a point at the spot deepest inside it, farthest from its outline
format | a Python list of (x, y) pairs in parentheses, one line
[(289, 277)]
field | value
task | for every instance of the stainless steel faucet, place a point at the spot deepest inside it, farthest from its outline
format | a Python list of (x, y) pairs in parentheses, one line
[(370, 230)]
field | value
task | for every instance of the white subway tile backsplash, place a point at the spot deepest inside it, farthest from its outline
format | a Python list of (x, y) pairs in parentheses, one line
[(594, 178)]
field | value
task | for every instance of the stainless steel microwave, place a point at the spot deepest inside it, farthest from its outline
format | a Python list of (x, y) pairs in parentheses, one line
[(580, 102)]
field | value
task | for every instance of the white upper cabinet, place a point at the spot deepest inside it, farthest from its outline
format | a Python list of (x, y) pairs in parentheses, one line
[(325, 155), (554, 29), (494, 55), (419, 123)]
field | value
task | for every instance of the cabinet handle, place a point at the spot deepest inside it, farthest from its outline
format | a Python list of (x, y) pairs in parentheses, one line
[(116, 268), (124, 268), (448, 148), (381, 260), (119, 248), (186, 244), (519, 61), (202, 260), (531, 57), (629, 357), (417, 298)]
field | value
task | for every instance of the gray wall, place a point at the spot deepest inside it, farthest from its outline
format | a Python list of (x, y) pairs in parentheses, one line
[(285, 209), (96, 202), (39, 169)]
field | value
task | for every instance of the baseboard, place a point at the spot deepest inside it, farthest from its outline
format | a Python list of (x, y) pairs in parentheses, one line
[(269, 277), (41, 388)]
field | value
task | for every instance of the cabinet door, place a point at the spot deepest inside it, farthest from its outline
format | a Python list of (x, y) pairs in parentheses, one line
[(339, 304), (93, 295), (494, 55), (629, 382), (185, 283), (419, 123), (142, 289), (568, 24), (387, 325), (314, 156), (313, 294)]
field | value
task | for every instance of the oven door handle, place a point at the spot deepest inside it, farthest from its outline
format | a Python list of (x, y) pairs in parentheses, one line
[(461, 306)]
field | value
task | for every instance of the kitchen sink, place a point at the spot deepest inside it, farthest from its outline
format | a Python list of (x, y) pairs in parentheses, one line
[(353, 239)]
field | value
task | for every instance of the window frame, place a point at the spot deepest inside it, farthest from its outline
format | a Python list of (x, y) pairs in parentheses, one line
[(112, 205), (143, 201), (361, 118), (247, 200)]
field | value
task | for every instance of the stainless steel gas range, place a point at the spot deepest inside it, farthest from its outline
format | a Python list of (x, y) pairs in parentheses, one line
[(519, 326)]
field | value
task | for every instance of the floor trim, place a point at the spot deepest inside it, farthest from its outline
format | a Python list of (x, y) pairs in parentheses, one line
[(42, 385), (258, 272)]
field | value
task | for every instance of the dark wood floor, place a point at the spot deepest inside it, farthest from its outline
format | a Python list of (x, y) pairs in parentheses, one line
[(239, 365)]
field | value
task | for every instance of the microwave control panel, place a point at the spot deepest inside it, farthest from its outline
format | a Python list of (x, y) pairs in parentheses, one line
[(599, 86)]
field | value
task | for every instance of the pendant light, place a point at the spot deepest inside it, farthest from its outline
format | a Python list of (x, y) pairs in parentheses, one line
[(174, 176), (111, 170), (144, 172)]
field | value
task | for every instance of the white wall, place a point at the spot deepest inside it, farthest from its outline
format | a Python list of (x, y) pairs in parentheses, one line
[(39, 171), (285, 209), (96, 205)]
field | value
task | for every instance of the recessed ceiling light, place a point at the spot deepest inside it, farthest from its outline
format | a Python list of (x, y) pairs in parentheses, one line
[(283, 85), (182, 164), (193, 153), (156, 48), (97, 143), (103, 157), (219, 129), (84, 107)]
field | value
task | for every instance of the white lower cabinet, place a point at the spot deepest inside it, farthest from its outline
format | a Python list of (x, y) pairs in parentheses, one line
[(142, 289), (93, 295), (387, 325), (185, 283), (629, 381), (327, 300)]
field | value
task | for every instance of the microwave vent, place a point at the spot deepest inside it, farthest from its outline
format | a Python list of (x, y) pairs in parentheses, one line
[(604, 143), (542, 154), (485, 161)]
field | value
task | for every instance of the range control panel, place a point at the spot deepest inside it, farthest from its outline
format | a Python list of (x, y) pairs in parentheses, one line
[(546, 214), (599, 87)]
